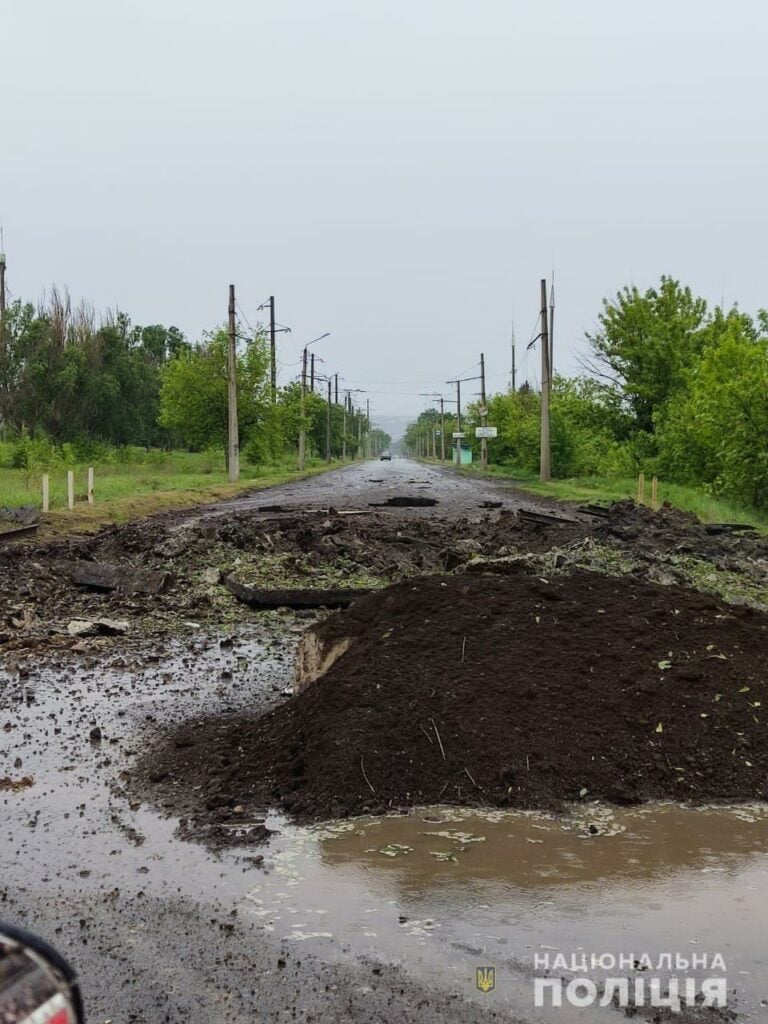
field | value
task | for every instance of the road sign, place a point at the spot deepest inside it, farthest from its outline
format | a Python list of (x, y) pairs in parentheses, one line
[(486, 432), (458, 434)]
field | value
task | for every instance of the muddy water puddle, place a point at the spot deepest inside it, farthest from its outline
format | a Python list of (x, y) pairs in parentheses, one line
[(442, 892)]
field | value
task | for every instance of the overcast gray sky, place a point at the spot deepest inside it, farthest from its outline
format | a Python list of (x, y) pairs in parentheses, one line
[(399, 173)]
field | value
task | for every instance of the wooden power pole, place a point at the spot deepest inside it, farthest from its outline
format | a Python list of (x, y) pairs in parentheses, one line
[(545, 473), (233, 451)]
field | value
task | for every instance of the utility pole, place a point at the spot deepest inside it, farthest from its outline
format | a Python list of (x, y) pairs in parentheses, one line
[(2, 305), (234, 440), (312, 375), (272, 348), (336, 387), (545, 473), (514, 372), (367, 427), (302, 430), (458, 422), (458, 384), (2, 283), (344, 434), (347, 412), (483, 414), (552, 330), (442, 429), (328, 425)]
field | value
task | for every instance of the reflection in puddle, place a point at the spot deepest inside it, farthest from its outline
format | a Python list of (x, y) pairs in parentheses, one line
[(442, 890)]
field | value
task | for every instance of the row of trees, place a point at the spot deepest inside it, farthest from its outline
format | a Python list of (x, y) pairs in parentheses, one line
[(671, 387), (67, 375)]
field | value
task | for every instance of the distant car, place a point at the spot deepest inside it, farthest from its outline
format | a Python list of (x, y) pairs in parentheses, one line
[(385, 455)]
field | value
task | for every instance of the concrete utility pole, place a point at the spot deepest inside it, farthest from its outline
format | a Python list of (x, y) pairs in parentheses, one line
[(458, 384), (336, 388), (2, 311), (328, 425), (514, 372), (302, 427), (442, 429), (233, 450), (272, 348), (348, 412), (437, 395), (483, 414), (302, 430), (2, 284), (312, 375), (552, 330), (344, 434), (545, 473)]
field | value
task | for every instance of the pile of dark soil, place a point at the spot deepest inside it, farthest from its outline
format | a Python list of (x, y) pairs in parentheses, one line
[(505, 691)]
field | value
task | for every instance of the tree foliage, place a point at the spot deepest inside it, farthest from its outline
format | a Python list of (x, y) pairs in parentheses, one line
[(673, 388)]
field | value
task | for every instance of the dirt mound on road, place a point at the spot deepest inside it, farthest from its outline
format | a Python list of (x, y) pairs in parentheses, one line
[(506, 691)]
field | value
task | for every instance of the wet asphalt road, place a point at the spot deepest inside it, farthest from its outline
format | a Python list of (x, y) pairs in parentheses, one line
[(368, 485), (159, 929)]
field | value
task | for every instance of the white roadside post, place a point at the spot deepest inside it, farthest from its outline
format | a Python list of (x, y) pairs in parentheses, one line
[(90, 485), (46, 493), (70, 489)]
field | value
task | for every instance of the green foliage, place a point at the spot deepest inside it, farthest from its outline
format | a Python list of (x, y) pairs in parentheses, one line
[(646, 342), (678, 390), (65, 377), (193, 395), (717, 434)]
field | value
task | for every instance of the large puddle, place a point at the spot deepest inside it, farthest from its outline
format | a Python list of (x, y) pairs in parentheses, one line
[(439, 891), (444, 892)]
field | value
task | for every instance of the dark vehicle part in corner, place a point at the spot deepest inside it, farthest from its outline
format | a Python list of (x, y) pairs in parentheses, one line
[(37, 985)]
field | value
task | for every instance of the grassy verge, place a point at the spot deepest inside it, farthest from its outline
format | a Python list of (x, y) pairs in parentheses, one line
[(607, 489), (126, 491)]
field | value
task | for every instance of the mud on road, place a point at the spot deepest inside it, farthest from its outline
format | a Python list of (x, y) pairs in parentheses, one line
[(95, 717)]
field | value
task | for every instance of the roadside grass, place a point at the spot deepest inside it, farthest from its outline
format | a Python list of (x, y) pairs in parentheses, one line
[(134, 490), (606, 489)]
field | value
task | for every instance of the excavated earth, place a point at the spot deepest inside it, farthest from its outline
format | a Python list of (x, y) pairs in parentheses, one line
[(502, 659), (502, 690)]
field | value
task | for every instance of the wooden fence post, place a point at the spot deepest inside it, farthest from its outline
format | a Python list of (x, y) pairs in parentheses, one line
[(641, 489), (655, 493)]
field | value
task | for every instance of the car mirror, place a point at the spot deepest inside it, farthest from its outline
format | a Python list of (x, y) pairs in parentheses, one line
[(37, 986)]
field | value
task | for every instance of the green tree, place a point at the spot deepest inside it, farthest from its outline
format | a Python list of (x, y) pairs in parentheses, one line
[(717, 433), (193, 395), (646, 343)]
